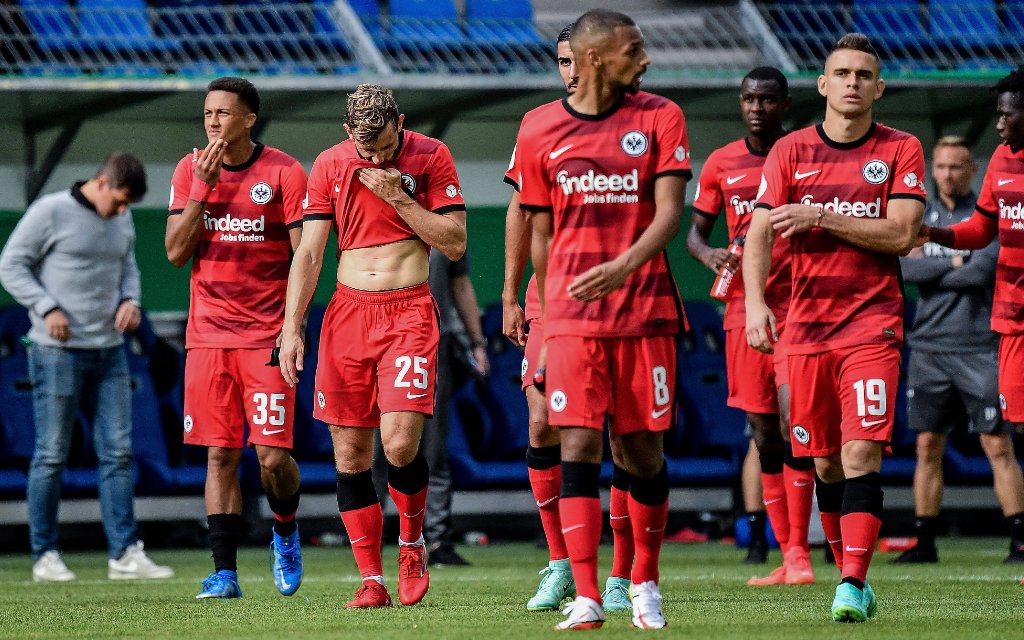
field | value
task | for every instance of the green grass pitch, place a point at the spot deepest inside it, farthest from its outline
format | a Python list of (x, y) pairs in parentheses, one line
[(970, 594)]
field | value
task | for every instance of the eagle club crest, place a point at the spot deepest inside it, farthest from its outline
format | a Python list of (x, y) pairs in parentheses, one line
[(634, 143), (409, 183), (875, 172)]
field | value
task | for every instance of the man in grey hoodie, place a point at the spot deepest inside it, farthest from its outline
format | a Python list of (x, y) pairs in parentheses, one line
[(71, 262)]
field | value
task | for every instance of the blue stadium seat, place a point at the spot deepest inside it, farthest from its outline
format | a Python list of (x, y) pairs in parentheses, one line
[(808, 27), (502, 23), (53, 23), (965, 23), (121, 26), (894, 26), (426, 24), (368, 12), (329, 38)]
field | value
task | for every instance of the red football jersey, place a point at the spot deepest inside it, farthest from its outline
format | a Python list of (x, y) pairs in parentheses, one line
[(729, 180), (361, 218), (240, 266), (596, 174), (1002, 202), (843, 295)]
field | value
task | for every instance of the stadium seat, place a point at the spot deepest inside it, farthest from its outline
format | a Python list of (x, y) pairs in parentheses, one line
[(808, 27), (427, 34), (505, 26), (329, 39), (53, 23), (121, 26), (965, 23), (894, 27)]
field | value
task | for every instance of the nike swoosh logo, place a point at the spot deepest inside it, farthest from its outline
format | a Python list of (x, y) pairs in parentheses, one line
[(833, 541), (801, 176), (650, 530), (660, 412), (768, 502), (802, 483), (355, 540), (734, 180), (850, 549), (547, 502), (557, 152), (1002, 182), (284, 583), (413, 396), (413, 515), (618, 517), (337, 189), (573, 528), (865, 423), (270, 433)]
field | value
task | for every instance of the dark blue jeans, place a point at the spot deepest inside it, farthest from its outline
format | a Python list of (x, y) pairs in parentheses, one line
[(61, 380)]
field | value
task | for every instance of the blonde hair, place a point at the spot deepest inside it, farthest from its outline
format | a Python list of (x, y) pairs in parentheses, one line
[(369, 110), (952, 141)]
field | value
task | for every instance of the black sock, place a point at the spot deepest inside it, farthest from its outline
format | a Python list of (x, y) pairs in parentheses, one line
[(1016, 522), (757, 521), (284, 511), (412, 478), (854, 581), (925, 528), (225, 533)]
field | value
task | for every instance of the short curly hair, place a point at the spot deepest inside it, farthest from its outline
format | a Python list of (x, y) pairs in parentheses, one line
[(369, 110)]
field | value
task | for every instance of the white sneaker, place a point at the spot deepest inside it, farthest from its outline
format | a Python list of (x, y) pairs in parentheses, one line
[(581, 613), (50, 567), (647, 612), (134, 564)]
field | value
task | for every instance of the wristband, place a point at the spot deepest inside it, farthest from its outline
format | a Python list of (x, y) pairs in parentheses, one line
[(200, 191), (821, 214)]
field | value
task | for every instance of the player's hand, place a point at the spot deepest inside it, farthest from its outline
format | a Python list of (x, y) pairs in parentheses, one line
[(716, 258), (128, 317), (791, 219), (206, 165), (57, 325), (597, 282), (483, 365), (924, 234), (386, 183), (513, 323), (762, 330), (293, 351)]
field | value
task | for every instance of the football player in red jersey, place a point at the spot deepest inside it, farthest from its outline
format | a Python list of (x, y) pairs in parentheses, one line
[(604, 172), (391, 194), (849, 196), (999, 213), (236, 212), (543, 455), (758, 383)]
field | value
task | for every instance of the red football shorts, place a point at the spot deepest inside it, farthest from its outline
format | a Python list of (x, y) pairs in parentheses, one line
[(534, 342), (633, 380), (378, 354), (1011, 377), (754, 377), (227, 388), (842, 395)]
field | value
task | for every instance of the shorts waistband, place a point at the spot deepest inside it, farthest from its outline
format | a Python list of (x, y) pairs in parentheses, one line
[(383, 297)]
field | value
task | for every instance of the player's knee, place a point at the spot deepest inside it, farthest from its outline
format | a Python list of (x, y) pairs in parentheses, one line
[(998, 447), (400, 450), (273, 459), (219, 459), (930, 447)]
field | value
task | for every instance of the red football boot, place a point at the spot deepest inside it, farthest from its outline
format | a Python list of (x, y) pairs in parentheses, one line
[(413, 579), (371, 595)]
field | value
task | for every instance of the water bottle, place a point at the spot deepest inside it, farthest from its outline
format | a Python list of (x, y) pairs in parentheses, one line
[(724, 283)]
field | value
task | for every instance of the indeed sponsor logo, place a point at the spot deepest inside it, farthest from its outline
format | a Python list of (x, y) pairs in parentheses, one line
[(741, 206), (1012, 212), (595, 187), (590, 182), (231, 223), (852, 209)]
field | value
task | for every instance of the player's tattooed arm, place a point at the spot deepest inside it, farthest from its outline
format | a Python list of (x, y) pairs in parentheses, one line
[(599, 281)]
